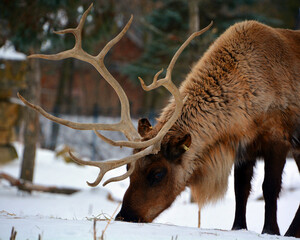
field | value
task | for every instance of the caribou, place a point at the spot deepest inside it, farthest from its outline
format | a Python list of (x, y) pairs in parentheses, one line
[(239, 102)]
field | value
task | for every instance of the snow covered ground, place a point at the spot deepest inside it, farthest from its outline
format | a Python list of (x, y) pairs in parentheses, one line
[(56, 216)]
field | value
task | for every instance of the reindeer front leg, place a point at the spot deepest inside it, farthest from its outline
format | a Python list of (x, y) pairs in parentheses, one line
[(243, 172)]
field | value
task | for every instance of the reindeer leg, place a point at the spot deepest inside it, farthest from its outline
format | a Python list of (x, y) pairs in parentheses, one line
[(275, 158), (242, 185), (294, 229)]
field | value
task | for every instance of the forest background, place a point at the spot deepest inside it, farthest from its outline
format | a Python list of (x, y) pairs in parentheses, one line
[(73, 89)]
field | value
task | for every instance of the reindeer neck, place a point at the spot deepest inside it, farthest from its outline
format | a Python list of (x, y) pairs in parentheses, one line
[(217, 102)]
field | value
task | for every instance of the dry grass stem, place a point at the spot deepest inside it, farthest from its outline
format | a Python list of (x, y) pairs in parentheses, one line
[(109, 221), (13, 234), (199, 218), (94, 227)]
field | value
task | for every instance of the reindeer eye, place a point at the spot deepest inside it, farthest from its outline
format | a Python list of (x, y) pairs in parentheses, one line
[(156, 176)]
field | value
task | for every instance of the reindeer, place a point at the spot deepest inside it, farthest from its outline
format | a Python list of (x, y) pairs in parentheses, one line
[(240, 101)]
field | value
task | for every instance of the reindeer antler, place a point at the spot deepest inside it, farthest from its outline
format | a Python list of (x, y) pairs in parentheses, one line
[(125, 125), (170, 86)]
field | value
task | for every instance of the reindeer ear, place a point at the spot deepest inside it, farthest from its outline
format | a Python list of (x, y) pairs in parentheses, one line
[(144, 126), (176, 146)]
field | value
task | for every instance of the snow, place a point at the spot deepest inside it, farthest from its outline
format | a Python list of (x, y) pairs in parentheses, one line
[(8, 52), (56, 216)]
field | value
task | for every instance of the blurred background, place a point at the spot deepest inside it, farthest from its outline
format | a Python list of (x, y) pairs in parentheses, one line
[(74, 90)]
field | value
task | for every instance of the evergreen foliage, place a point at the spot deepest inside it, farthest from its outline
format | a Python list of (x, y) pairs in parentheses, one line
[(30, 24), (162, 29), (167, 27)]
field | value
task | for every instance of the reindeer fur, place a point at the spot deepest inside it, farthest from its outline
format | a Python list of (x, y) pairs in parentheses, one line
[(243, 92)]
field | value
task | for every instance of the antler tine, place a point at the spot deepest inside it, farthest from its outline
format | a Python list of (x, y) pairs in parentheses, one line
[(157, 83), (64, 31), (89, 163), (79, 28), (58, 56), (122, 177), (154, 83), (183, 46), (74, 125), (106, 166), (112, 42), (76, 51)]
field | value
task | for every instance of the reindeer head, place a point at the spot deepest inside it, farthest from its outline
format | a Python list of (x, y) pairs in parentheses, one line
[(157, 179), (154, 164)]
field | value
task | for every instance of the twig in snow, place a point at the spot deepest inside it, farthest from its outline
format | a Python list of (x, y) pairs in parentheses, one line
[(100, 217), (95, 235), (199, 218), (13, 234), (176, 237), (109, 221)]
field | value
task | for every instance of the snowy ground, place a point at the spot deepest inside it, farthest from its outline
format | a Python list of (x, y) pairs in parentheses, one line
[(69, 217)]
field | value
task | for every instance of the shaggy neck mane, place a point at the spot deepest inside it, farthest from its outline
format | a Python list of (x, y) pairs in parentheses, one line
[(218, 93)]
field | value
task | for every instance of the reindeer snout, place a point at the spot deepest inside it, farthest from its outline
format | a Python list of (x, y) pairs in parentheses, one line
[(128, 215), (119, 217)]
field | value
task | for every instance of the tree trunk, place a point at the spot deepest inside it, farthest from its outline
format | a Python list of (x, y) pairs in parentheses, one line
[(69, 75), (66, 74), (31, 120), (194, 22)]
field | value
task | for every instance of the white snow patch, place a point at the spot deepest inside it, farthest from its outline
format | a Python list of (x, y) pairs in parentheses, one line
[(69, 217)]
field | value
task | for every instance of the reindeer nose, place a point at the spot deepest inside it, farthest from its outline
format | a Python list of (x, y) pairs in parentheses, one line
[(127, 215), (119, 217)]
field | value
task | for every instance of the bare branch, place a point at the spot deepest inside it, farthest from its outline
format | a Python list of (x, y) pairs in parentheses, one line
[(28, 186)]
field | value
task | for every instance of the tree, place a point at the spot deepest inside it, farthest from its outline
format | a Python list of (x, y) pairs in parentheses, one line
[(25, 23), (29, 24), (194, 18)]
